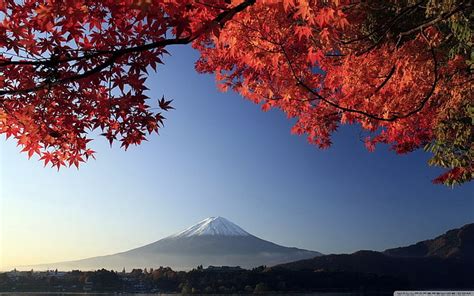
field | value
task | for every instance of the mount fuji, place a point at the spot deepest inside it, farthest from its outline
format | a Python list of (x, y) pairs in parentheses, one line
[(213, 241)]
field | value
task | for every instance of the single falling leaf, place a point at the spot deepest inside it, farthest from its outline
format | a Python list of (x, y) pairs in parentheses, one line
[(165, 105)]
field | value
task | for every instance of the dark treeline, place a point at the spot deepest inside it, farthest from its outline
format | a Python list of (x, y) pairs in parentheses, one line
[(199, 281)]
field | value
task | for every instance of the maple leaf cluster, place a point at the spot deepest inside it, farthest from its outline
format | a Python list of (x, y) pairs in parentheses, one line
[(397, 69), (387, 69), (69, 67)]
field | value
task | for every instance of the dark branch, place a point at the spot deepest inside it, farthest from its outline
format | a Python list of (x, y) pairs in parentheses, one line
[(431, 22), (220, 20), (385, 27), (361, 112), (390, 74)]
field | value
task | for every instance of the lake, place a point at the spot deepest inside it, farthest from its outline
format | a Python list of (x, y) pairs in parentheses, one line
[(165, 294), (138, 294)]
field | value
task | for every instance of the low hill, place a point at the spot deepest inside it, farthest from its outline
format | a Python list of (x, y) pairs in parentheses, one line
[(443, 262), (455, 243)]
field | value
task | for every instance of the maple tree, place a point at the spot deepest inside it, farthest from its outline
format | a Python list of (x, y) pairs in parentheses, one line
[(400, 69)]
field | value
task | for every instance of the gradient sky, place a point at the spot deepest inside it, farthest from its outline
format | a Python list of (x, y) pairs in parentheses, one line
[(220, 155)]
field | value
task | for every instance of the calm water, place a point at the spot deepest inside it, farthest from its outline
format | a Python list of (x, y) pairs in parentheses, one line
[(127, 294)]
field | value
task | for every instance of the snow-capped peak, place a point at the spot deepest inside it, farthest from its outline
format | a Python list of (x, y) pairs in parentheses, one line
[(213, 226)]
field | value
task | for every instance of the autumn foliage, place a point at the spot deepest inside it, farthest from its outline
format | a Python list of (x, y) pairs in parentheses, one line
[(402, 70)]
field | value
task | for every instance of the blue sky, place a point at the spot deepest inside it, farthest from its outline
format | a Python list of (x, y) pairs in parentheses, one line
[(220, 155)]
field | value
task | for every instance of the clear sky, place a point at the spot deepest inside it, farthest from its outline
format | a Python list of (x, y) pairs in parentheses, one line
[(220, 155)]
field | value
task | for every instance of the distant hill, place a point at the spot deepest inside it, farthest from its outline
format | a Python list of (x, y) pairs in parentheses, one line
[(445, 261), (456, 243), (213, 241)]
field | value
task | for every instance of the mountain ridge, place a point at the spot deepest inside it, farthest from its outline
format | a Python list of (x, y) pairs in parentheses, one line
[(447, 258), (212, 226), (454, 243)]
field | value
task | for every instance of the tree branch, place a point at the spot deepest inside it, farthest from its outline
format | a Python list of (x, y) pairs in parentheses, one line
[(220, 20), (361, 112), (385, 27), (432, 21)]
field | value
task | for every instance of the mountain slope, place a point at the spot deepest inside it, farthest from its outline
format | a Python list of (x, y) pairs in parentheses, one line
[(445, 261), (212, 226), (213, 241), (455, 243)]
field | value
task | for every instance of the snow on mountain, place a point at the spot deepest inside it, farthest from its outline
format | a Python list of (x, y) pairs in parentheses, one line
[(213, 241), (212, 226)]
